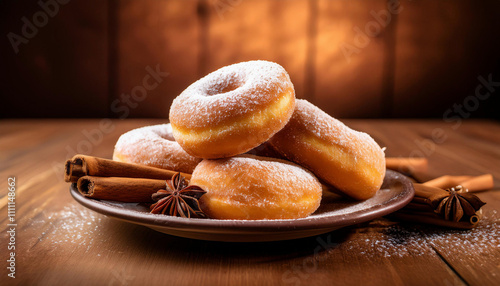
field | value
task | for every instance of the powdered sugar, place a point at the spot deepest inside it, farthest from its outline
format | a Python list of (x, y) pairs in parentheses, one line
[(481, 240), (347, 159), (402, 240), (279, 172), (73, 225), (233, 90), (249, 181), (334, 131), (154, 146)]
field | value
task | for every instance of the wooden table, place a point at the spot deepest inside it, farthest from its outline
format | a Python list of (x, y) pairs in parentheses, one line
[(59, 242)]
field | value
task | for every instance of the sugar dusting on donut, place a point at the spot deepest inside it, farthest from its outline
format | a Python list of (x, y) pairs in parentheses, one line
[(154, 146), (270, 172), (347, 159), (233, 110), (251, 84), (330, 129), (238, 186)]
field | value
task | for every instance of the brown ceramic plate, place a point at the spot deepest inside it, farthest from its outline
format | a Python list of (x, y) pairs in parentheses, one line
[(335, 212)]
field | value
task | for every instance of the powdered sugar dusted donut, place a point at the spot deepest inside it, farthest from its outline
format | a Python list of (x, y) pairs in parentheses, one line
[(154, 146), (248, 187), (233, 109), (349, 160)]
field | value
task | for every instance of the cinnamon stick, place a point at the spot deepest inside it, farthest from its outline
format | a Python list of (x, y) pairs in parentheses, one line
[(426, 192), (130, 190), (472, 183), (431, 218), (82, 165), (407, 165), (418, 207)]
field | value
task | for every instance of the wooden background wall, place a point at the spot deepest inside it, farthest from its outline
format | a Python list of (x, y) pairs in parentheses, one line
[(90, 53)]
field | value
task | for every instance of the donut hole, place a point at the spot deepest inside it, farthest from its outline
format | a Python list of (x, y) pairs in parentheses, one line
[(232, 82)]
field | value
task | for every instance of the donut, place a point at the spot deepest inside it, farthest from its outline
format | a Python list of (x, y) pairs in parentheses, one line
[(154, 146), (249, 187), (232, 110), (349, 160)]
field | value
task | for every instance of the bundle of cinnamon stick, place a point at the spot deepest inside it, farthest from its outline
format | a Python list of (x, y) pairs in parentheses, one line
[(105, 179), (445, 201)]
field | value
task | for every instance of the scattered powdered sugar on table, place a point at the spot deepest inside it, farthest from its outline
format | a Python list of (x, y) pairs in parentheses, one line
[(72, 225), (394, 240), (484, 238), (400, 240)]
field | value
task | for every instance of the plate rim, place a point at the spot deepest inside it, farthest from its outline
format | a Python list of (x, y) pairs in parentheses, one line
[(393, 204)]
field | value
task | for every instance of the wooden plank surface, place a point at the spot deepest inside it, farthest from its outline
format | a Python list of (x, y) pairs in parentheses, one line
[(60, 241)]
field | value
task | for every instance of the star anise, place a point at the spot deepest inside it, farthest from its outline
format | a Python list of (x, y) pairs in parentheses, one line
[(455, 203), (178, 199)]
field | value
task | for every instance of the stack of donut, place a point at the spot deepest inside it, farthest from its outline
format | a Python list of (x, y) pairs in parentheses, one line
[(255, 149)]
